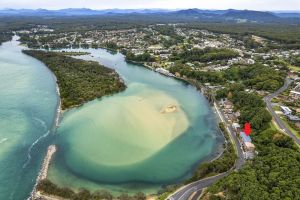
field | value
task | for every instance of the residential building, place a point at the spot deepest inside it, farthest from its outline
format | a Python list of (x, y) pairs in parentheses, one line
[(286, 110), (295, 93)]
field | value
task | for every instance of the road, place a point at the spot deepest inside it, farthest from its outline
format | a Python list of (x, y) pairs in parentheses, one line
[(197, 195), (240, 159), (186, 191), (277, 119)]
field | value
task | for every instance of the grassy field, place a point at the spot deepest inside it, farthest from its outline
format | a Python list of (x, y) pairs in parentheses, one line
[(273, 126), (276, 108), (294, 68), (295, 132)]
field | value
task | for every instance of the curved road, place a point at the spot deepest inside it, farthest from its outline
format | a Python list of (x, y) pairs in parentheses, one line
[(277, 119), (186, 191)]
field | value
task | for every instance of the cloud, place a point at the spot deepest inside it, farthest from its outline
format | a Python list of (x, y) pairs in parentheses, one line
[(171, 4)]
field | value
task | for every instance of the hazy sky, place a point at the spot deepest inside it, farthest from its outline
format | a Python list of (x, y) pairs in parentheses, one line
[(170, 4)]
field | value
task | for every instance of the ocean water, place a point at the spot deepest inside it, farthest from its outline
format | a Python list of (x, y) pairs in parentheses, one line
[(28, 104), (127, 142)]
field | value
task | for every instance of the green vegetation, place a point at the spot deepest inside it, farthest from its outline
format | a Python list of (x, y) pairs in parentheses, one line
[(204, 55), (168, 190), (252, 109), (266, 176), (251, 43), (145, 57), (5, 37), (287, 35), (48, 188), (201, 76), (291, 126), (294, 68), (29, 41), (111, 46), (251, 106), (79, 81), (72, 53), (166, 30), (257, 76), (173, 37), (220, 165), (297, 61), (273, 174)]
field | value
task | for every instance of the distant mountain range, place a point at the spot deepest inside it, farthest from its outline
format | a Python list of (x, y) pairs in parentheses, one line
[(76, 11), (258, 16)]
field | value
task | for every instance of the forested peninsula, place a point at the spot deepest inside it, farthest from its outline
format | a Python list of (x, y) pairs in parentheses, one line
[(79, 81)]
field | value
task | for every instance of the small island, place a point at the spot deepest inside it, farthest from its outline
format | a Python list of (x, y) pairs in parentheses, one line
[(169, 109), (79, 81)]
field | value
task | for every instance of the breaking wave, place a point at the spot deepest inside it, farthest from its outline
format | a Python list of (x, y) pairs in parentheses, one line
[(31, 147), (3, 140)]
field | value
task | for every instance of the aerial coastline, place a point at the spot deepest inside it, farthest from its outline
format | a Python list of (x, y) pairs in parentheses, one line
[(171, 108), (173, 105)]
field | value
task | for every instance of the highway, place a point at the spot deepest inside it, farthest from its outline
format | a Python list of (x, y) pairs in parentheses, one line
[(186, 191), (277, 119)]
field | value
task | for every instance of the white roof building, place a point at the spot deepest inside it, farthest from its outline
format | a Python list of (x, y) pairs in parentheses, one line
[(286, 110)]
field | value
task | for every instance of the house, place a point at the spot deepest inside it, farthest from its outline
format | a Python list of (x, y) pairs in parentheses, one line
[(247, 144), (231, 117), (295, 93), (293, 118), (286, 110), (249, 155), (244, 137), (164, 72), (236, 127), (228, 105), (237, 114)]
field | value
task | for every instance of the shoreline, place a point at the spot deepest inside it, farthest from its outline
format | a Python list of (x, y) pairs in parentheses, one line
[(35, 193), (186, 80), (58, 110), (43, 172)]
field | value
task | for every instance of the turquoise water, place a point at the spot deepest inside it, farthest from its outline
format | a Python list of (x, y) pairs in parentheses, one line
[(127, 142), (130, 141), (28, 104)]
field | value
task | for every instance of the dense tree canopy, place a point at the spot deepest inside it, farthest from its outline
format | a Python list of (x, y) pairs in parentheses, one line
[(5, 37), (111, 45), (256, 76), (273, 174), (47, 187), (251, 106), (296, 61), (79, 81), (145, 57), (201, 76), (204, 55)]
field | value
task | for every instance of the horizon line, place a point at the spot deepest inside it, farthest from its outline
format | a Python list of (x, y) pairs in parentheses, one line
[(166, 9)]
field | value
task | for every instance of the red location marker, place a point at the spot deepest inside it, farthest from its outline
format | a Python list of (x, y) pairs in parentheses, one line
[(247, 128)]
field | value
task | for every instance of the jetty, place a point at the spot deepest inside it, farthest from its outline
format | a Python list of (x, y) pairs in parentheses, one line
[(44, 171)]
